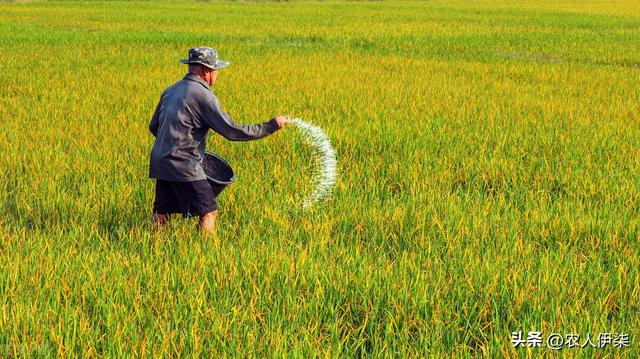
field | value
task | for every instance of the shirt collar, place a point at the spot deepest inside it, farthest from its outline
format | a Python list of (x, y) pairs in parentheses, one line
[(196, 78)]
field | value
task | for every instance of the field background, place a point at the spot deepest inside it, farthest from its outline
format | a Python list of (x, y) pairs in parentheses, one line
[(489, 179)]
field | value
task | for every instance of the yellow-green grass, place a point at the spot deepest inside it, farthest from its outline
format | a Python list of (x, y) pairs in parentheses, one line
[(488, 180)]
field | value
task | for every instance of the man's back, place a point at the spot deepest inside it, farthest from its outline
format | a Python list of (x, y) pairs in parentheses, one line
[(180, 134)]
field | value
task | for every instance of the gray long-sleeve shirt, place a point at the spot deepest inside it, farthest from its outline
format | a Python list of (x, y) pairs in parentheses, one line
[(185, 113)]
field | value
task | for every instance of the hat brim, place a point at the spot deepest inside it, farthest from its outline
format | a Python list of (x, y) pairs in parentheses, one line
[(219, 64)]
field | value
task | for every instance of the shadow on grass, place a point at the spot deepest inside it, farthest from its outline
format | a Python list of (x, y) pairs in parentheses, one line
[(553, 59)]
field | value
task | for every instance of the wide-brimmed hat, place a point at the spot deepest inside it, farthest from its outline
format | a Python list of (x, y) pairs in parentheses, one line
[(206, 56)]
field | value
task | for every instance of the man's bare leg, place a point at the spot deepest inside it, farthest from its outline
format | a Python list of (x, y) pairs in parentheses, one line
[(208, 222), (158, 221)]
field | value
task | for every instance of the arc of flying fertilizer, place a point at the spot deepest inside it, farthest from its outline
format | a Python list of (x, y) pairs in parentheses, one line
[(325, 156)]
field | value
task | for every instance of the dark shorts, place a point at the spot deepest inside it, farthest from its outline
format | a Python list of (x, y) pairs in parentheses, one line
[(189, 198)]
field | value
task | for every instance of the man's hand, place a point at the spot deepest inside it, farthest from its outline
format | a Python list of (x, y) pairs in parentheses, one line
[(282, 121)]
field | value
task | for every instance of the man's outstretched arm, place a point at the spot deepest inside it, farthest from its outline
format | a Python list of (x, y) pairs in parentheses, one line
[(221, 122)]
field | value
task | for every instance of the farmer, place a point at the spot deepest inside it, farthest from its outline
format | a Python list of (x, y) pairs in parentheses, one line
[(185, 113)]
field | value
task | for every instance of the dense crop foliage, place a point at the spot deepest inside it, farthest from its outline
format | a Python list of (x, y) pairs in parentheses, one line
[(489, 179)]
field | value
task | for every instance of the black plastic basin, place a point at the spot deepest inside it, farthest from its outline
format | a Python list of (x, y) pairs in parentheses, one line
[(219, 173)]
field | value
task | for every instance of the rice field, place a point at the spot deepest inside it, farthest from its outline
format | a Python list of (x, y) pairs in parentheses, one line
[(488, 159)]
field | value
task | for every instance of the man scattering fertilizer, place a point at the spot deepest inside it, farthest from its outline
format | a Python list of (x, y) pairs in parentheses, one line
[(185, 113)]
